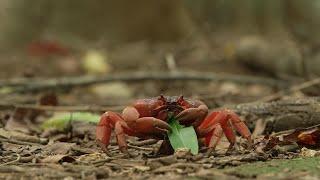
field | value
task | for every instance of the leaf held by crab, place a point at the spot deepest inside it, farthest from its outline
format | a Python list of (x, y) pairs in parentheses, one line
[(183, 137)]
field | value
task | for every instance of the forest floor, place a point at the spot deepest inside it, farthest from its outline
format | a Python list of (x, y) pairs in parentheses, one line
[(28, 151)]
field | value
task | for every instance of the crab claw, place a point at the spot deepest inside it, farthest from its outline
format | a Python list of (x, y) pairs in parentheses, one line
[(193, 115), (144, 125)]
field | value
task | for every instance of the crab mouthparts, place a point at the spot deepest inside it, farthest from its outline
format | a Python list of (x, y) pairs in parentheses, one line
[(172, 108)]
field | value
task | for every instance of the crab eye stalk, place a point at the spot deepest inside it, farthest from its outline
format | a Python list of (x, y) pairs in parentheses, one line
[(180, 100), (162, 99)]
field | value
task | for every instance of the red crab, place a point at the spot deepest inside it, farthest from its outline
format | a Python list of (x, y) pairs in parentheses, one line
[(146, 118)]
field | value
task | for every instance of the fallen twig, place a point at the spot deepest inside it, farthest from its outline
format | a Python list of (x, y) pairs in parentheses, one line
[(13, 141), (12, 162), (140, 148), (29, 85), (144, 142)]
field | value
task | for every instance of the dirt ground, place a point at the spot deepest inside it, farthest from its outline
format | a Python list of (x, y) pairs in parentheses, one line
[(29, 152)]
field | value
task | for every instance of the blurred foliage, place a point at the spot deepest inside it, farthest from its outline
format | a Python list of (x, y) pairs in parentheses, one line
[(103, 20), (73, 21), (61, 121), (299, 17)]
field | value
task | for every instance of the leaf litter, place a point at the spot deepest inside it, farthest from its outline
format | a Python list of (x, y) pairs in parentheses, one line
[(70, 151), (78, 153)]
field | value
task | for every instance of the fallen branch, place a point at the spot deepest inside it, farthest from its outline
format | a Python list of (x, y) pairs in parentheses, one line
[(292, 105), (30, 85), (283, 114), (13, 141)]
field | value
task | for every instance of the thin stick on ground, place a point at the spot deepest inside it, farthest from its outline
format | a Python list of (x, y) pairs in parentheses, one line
[(140, 148), (12, 162), (29, 85)]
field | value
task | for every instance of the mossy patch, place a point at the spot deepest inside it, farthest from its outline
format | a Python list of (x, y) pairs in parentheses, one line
[(310, 165)]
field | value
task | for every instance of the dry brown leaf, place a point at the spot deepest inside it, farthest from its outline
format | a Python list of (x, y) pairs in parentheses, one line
[(309, 137), (303, 137), (22, 119), (59, 148), (59, 158), (17, 121)]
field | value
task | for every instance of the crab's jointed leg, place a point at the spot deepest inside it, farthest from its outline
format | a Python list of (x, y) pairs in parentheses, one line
[(240, 126), (214, 137), (108, 121), (219, 122), (130, 124)]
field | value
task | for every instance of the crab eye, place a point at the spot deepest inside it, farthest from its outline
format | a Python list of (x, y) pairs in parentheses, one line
[(180, 100), (162, 99), (183, 102)]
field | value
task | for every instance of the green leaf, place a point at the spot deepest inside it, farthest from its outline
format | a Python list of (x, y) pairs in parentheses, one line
[(61, 121), (183, 137)]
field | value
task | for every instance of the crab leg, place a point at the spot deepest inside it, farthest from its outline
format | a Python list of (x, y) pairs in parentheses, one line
[(221, 122), (229, 133), (214, 138), (240, 126), (108, 121), (120, 135), (218, 124), (104, 127), (210, 123)]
